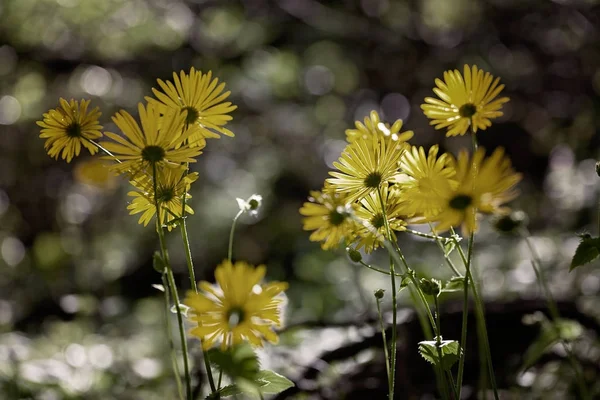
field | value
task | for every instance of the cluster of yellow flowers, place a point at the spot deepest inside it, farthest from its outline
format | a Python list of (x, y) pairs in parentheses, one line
[(154, 155), (381, 182)]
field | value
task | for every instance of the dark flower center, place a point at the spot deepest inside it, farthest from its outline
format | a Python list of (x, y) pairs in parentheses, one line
[(192, 115), (235, 316), (377, 221), (164, 195), (73, 130), (336, 218), (461, 202), (153, 154), (373, 180), (467, 110)]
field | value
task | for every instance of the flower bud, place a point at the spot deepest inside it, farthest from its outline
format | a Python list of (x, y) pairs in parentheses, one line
[(430, 287), (379, 294), (354, 254)]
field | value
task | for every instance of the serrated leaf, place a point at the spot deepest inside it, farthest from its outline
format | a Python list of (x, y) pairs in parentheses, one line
[(450, 352), (237, 362), (550, 334), (158, 287), (230, 390), (158, 263), (272, 383), (587, 251), (455, 284), (182, 308)]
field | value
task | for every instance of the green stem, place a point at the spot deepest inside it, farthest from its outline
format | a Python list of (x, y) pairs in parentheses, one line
[(555, 314), (481, 324), (427, 235), (172, 288), (446, 255), (438, 345), (231, 233), (465, 316), (385, 349), (170, 338), (381, 271)]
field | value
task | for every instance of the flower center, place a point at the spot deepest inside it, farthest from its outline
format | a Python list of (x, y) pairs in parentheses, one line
[(461, 202), (164, 194), (192, 115), (235, 316), (73, 130), (373, 180), (153, 154), (467, 110), (336, 218), (377, 221)]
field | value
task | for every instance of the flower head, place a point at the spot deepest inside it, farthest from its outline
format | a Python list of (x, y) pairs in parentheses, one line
[(463, 100), (201, 99), (251, 206), (370, 235), (158, 143), (69, 127), (423, 177), (365, 165), (238, 307), (374, 126), (328, 215), (482, 185), (171, 185)]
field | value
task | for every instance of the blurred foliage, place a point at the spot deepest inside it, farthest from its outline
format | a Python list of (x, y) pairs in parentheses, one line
[(78, 314)]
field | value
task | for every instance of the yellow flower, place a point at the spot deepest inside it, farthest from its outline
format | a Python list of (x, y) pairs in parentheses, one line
[(365, 165), (69, 127), (423, 178), (371, 234), (238, 307), (159, 142), (472, 98), (373, 126), (95, 172), (329, 215), (171, 184), (202, 99), (483, 185)]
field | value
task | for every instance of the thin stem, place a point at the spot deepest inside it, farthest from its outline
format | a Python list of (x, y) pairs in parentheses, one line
[(385, 349), (465, 316), (427, 235), (172, 288), (554, 314), (446, 255), (481, 324), (231, 233), (438, 345), (170, 338), (381, 271)]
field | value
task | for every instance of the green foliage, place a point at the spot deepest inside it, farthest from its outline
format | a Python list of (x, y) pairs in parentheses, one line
[(564, 330), (587, 251), (455, 284), (450, 352), (158, 263), (237, 362)]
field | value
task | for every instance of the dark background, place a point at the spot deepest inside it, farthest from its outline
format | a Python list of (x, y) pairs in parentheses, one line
[(79, 318)]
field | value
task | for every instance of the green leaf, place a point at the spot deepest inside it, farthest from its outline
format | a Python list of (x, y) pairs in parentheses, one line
[(550, 334), (587, 251), (455, 284), (230, 390), (182, 308), (450, 352), (449, 247), (272, 382), (158, 263), (237, 362)]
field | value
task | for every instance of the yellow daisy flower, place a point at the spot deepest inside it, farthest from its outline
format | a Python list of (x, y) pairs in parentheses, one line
[(371, 213), (374, 126), (365, 165), (202, 99), (171, 184), (69, 127), (238, 307), (465, 99), (423, 178), (483, 185), (328, 214), (159, 141)]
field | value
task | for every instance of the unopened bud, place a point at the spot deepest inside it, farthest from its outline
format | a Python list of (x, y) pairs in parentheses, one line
[(251, 205), (354, 254), (430, 287), (511, 222), (379, 294)]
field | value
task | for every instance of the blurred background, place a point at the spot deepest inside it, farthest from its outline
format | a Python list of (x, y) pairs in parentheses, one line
[(79, 318)]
